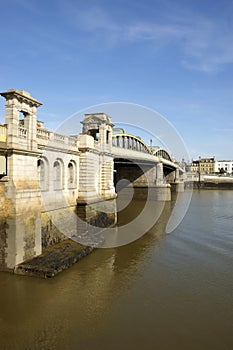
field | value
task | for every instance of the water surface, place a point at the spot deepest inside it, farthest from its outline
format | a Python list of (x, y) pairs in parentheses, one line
[(171, 291)]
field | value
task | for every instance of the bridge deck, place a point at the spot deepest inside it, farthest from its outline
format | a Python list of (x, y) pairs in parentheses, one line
[(119, 152)]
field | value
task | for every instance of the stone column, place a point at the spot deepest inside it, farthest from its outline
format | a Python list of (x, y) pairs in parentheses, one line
[(12, 121), (106, 178), (177, 175), (30, 123), (160, 177)]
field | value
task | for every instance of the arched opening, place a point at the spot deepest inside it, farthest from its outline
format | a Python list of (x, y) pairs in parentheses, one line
[(107, 136), (22, 127), (94, 133), (72, 174), (58, 175), (42, 167)]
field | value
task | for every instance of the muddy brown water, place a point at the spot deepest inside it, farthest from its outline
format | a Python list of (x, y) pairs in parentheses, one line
[(164, 291)]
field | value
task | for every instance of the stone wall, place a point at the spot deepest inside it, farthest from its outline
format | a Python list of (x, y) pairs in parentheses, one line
[(99, 214), (50, 233), (5, 210)]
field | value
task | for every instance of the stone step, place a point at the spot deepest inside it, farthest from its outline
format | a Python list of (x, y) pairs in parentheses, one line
[(54, 259)]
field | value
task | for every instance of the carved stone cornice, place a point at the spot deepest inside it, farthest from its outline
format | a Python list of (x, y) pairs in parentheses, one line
[(21, 96)]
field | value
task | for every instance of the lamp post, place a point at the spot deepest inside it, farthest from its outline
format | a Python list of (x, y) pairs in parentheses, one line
[(199, 173)]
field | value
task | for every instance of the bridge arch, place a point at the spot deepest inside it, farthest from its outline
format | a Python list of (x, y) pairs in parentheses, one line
[(128, 141), (161, 152)]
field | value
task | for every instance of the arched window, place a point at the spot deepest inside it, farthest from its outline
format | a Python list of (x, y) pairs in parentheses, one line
[(57, 175), (42, 167), (72, 174)]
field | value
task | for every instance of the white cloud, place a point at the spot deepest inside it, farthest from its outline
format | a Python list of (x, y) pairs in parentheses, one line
[(205, 43)]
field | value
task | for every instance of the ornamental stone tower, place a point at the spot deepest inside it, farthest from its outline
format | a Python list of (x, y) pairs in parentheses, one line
[(21, 132), (20, 226), (96, 197), (96, 160), (99, 126)]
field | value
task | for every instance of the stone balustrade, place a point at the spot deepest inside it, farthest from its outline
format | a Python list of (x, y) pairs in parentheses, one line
[(45, 136), (22, 132), (43, 133)]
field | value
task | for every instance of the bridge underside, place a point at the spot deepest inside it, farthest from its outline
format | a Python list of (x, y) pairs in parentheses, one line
[(137, 172)]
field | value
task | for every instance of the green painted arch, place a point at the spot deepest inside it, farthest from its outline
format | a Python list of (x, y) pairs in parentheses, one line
[(162, 152), (132, 137)]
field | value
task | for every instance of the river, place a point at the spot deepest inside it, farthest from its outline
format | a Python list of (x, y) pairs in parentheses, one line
[(163, 291)]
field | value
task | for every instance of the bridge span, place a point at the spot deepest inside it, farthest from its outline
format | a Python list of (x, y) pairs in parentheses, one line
[(47, 178), (133, 147)]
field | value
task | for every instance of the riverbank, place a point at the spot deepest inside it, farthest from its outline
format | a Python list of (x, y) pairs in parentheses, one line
[(211, 182), (54, 260), (214, 182), (212, 185)]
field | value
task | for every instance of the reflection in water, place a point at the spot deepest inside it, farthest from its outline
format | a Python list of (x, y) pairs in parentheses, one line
[(160, 292)]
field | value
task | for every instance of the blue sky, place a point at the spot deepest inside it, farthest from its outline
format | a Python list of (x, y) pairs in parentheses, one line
[(175, 57)]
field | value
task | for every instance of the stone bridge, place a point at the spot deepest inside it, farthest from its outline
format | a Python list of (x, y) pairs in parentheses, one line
[(46, 177)]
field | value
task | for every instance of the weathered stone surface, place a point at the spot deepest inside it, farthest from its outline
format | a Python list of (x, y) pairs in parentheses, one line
[(53, 260), (6, 207), (3, 244), (50, 234), (99, 214)]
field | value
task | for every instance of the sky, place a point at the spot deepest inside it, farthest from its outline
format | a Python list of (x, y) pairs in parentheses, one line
[(173, 57)]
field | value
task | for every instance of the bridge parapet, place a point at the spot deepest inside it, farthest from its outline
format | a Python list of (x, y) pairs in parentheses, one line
[(119, 152)]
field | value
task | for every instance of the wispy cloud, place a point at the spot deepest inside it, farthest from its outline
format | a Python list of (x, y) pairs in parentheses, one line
[(205, 43)]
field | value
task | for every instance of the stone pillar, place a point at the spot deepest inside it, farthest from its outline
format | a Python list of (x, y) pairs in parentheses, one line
[(159, 177), (12, 121), (21, 193), (96, 189), (93, 124), (88, 176), (177, 175), (106, 178), (30, 123)]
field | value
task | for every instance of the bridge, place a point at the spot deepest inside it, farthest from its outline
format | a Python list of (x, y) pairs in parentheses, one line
[(46, 177), (133, 147)]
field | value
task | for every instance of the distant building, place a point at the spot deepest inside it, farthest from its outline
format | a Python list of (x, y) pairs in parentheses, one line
[(195, 166), (224, 166), (203, 165)]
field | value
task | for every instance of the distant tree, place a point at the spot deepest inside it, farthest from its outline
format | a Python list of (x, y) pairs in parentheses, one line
[(222, 171)]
